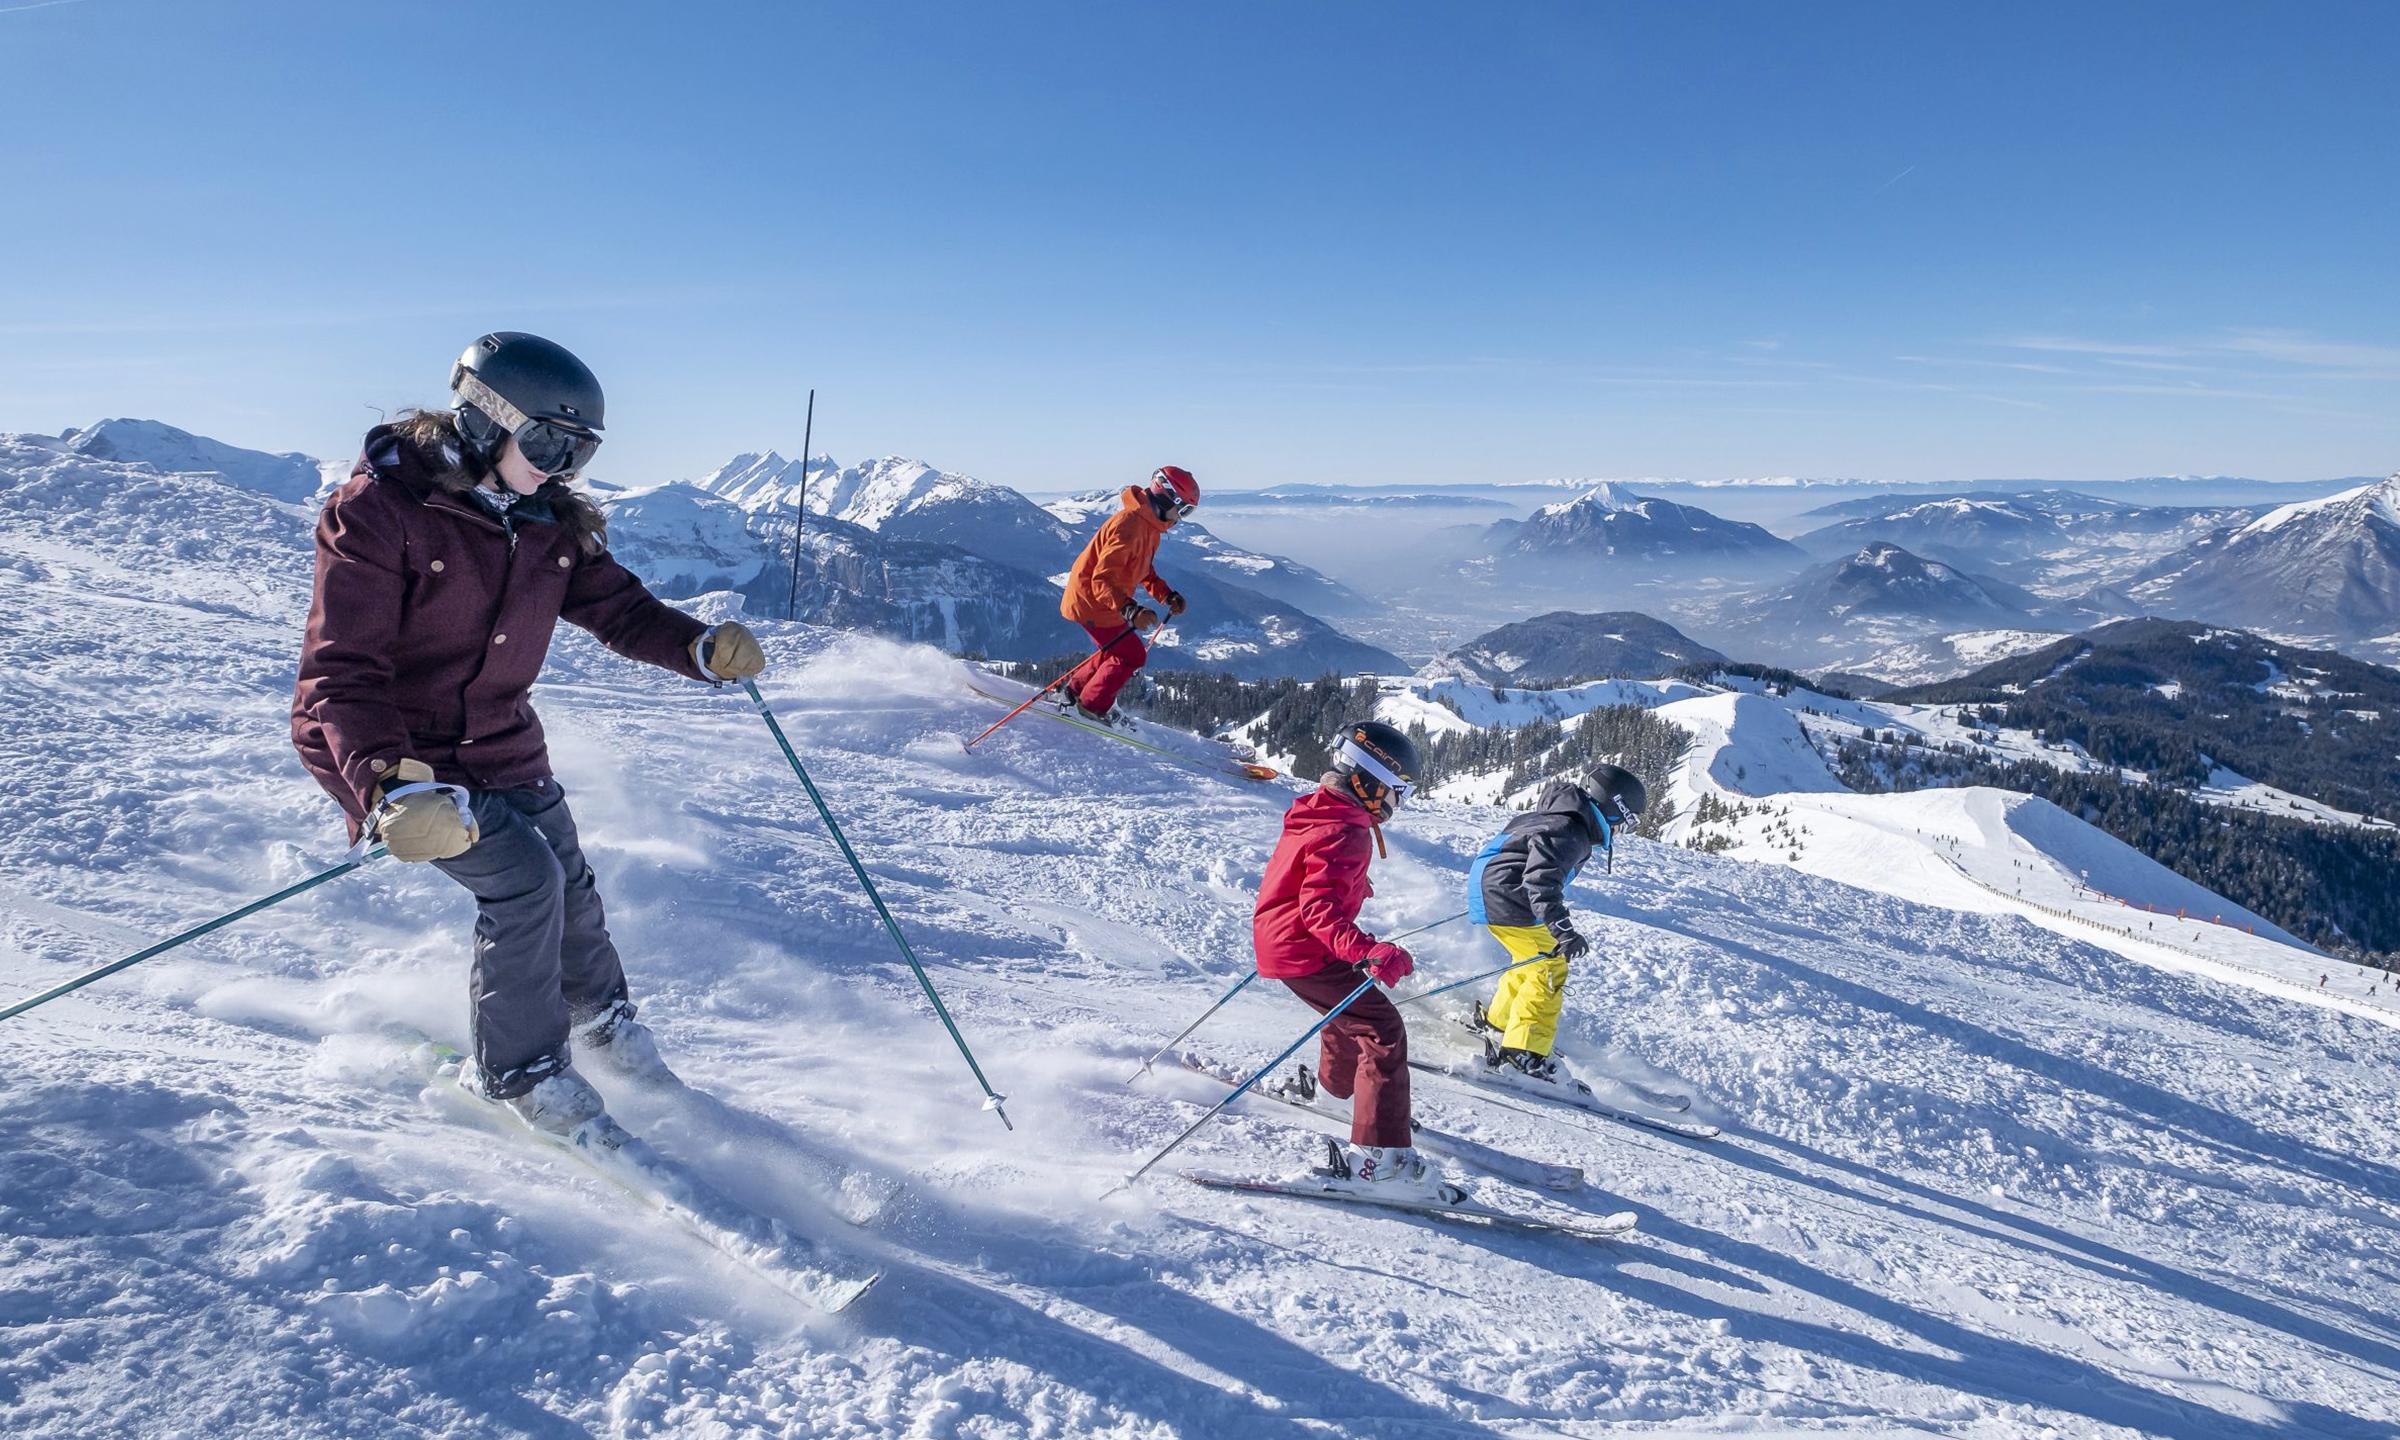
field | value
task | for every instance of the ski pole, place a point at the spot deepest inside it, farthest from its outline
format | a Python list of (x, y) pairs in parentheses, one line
[(1322, 1021), (993, 1100), (1471, 979), (1188, 1029), (1246, 979), (163, 946), (1053, 685)]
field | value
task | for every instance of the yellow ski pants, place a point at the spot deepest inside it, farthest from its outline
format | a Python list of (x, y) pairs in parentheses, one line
[(1529, 1000)]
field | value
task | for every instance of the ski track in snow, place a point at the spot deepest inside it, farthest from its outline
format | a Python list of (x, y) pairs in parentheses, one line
[(1978, 1178)]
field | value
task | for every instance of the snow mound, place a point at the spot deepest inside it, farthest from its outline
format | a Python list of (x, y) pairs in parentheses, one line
[(287, 476)]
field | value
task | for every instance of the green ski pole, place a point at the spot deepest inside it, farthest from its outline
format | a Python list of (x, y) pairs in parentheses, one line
[(69, 987), (993, 1099)]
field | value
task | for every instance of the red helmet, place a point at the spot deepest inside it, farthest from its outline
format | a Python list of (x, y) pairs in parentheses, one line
[(1176, 481)]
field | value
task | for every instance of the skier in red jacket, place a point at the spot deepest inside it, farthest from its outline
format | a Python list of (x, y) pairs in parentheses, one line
[(443, 567), (1306, 934)]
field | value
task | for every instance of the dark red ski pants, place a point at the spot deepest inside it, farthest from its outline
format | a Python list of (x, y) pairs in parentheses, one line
[(1362, 1056), (1097, 680)]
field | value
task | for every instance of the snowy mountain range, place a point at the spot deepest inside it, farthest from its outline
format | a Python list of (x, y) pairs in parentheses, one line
[(1845, 614), (1251, 614), (1996, 1160), (2061, 543), (2322, 570), (1565, 648), (1609, 523)]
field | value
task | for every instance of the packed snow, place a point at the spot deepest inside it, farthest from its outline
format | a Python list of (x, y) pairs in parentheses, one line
[(1979, 1177)]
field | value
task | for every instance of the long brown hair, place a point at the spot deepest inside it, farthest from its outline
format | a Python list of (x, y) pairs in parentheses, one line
[(434, 435)]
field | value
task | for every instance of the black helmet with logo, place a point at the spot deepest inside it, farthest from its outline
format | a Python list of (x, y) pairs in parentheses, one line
[(510, 383)]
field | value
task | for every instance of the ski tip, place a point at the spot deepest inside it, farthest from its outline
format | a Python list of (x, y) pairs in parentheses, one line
[(1261, 772), (834, 1299)]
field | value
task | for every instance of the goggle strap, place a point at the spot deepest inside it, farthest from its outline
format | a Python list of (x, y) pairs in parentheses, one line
[(492, 403)]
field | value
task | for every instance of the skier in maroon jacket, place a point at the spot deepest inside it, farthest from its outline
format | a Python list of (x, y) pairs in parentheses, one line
[(443, 567), (1305, 931)]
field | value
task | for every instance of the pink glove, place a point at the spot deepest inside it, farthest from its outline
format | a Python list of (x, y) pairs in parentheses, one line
[(1389, 964)]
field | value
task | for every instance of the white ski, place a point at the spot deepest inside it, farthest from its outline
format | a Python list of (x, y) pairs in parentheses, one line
[(1470, 1019), (1474, 1072), (1498, 1163), (992, 687), (1464, 1211), (810, 1273)]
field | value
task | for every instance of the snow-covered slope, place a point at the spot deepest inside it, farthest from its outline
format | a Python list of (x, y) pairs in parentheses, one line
[(1771, 797), (1979, 1178)]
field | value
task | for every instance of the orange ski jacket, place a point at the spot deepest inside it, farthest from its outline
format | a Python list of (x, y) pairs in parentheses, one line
[(1120, 557)]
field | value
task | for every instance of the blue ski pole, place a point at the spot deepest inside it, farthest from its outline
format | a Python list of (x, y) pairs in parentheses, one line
[(1471, 979), (1326, 1019), (1188, 1029), (1246, 979)]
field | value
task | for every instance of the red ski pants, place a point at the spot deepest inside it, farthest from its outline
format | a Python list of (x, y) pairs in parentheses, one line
[(1097, 680), (1363, 1056)]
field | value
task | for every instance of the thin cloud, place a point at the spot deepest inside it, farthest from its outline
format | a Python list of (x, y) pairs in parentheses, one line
[(2291, 350), (1896, 179), (2070, 345), (2031, 366), (2296, 349), (36, 5)]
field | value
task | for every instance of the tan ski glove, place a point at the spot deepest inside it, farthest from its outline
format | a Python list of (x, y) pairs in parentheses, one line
[(422, 824), (730, 652)]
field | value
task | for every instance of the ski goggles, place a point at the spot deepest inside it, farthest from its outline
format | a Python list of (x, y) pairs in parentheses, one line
[(1365, 759), (554, 449), (1176, 505)]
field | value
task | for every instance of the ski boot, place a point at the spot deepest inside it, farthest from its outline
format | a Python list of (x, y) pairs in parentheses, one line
[(1393, 1173), (561, 1106), (1300, 1087), (1070, 705), (622, 1044), (1509, 1063)]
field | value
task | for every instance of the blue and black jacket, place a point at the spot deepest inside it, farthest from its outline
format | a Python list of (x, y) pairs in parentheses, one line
[(1520, 877)]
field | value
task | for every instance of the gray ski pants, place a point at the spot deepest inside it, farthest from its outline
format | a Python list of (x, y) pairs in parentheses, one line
[(543, 959)]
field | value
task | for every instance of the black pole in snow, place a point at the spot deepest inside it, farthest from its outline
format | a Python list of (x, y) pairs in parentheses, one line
[(808, 434)]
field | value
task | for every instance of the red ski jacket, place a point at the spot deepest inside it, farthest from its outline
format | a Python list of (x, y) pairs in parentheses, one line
[(430, 625), (1307, 916)]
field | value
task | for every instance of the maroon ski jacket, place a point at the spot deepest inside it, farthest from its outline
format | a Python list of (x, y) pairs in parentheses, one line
[(1307, 915), (431, 620)]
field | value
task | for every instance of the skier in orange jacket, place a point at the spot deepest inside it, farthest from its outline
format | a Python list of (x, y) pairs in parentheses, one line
[(1100, 589)]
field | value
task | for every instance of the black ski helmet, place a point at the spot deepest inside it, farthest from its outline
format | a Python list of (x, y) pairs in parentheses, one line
[(1377, 764), (541, 378), (1617, 793)]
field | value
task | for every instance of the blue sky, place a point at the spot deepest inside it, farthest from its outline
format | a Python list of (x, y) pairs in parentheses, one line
[(1058, 245)]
